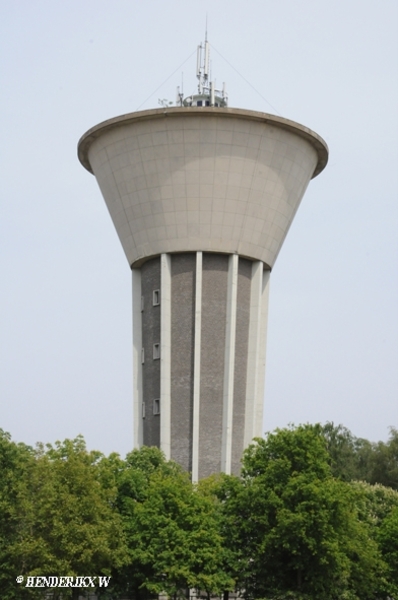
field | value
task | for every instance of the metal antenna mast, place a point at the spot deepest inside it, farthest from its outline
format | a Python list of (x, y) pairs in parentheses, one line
[(207, 94)]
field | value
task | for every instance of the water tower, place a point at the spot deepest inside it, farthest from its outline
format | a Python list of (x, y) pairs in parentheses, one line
[(202, 196)]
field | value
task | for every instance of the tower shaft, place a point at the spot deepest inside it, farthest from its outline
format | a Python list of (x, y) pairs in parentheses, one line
[(209, 313)]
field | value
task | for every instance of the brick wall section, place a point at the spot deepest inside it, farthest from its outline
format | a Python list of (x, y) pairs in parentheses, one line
[(150, 281), (183, 270), (240, 375), (214, 300)]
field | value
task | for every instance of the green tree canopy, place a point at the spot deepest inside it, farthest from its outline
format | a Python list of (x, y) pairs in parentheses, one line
[(64, 506), (171, 529), (300, 529), (353, 458), (388, 541), (16, 461), (296, 524)]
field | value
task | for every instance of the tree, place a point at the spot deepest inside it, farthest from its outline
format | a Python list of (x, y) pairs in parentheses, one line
[(354, 458), (377, 506), (301, 531), (385, 462), (171, 530), (388, 540), (16, 461), (68, 522), (375, 502), (233, 512), (340, 444)]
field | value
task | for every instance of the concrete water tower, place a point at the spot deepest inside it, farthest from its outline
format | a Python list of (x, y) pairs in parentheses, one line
[(202, 197)]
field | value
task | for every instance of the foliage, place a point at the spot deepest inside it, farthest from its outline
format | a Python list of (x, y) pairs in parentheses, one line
[(308, 518), (354, 458), (377, 505), (67, 524), (388, 540), (385, 462), (230, 510), (171, 528), (374, 502), (304, 534), (15, 463)]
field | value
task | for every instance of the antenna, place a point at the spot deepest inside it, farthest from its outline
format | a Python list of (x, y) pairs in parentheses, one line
[(212, 94), (198, 60), (180, 94), (164, 102), (207, 94), (178, 97), (206, 67), (199, 68)]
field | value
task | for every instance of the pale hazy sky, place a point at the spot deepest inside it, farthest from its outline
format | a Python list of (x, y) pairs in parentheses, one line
[(65, 322)]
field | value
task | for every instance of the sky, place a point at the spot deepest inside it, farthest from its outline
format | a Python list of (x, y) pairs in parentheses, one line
[(65, 288)]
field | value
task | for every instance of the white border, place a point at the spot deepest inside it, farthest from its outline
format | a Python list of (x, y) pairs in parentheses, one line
[(229, 364), (165, 354), (253, 355), (196, 368), (259, 401), (137, 366)]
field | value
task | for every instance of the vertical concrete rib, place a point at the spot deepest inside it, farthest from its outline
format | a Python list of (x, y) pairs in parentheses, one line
[(241, 347), (165, 353), (196, 371), (137, 368), (259, 401), (253, 350), (229, 364)]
